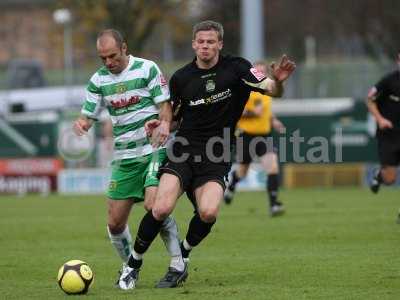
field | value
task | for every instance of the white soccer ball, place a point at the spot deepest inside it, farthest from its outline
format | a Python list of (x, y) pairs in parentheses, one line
[(75, 277)]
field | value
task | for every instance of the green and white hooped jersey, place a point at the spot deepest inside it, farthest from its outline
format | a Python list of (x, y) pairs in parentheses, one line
[(130, 98)]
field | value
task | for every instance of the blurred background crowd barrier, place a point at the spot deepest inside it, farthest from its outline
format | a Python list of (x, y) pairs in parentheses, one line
[(48, 55)]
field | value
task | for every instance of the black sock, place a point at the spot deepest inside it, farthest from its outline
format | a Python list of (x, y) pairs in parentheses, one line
[(197, 231), (272, 188), (235, 180), (148, 229), (185, 253), (378, 176), (134, 263)]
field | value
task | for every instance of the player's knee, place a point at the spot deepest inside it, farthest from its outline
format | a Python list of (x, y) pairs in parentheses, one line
[(389, 179), (208, 215), (270, 163), (274, 166), (161, 212), (149, 198), (242, 171), (389, 176), (116, 227), (273, 169), (148, 205)]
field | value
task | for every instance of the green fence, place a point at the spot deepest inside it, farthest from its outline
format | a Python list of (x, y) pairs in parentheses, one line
[(325, 131), (318, 131), (325, 80)]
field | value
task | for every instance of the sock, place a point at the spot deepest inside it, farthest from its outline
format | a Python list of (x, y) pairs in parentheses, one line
[(234, 180), (122, 242), (186, 245), (185, 248), (148, 229), (135, 260), (169, 234), (272, 188), (197, 231), (378, 176), (177, 263)]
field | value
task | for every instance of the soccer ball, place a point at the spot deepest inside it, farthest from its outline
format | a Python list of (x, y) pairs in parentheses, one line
[(75, 277)]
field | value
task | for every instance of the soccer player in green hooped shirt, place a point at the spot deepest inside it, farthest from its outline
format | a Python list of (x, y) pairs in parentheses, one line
[(133, 90)]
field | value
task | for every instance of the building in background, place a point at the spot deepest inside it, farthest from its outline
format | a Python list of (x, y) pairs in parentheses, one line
[(27, 31)]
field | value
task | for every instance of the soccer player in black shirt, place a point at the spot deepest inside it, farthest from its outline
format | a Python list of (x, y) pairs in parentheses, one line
[(209, 95), (384, 104)]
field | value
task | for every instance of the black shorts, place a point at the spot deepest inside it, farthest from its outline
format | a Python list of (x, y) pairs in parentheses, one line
[(251, 147), (194, 173), (389, 147)]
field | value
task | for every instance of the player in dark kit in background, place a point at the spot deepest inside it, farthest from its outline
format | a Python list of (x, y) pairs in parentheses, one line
[(384, 104), (211, 93), (254, 128)]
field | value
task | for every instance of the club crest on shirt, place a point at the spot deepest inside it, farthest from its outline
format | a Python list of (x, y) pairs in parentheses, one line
[(112, 186), (210, 85), (257, 74), (120, 88)]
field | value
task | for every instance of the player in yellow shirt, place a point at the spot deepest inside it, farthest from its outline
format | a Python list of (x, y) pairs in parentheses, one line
[(254, 129)]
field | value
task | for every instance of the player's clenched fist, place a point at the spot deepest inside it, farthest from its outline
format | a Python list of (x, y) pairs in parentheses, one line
[(82, 125)]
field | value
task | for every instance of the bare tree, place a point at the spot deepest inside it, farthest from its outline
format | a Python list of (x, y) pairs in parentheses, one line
[(340, 27), (136, 19)]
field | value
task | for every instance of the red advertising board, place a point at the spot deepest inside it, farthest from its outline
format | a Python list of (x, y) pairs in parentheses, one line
[(26, 175)]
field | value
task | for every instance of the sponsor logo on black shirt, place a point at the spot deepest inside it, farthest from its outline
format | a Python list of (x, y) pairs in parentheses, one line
[(213, 98)]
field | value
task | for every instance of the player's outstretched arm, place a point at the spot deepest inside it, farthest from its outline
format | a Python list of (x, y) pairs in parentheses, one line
[(277, 124)]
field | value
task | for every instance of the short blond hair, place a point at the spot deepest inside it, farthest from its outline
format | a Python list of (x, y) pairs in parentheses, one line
[(209, 25)]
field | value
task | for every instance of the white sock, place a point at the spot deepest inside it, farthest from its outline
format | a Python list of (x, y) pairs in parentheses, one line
[(170, 236), (177, 263), (122, 242), (136, 255), (186, 245)]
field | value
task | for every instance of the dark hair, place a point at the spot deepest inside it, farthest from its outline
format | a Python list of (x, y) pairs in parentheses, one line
[(116, 35), (209, 25)]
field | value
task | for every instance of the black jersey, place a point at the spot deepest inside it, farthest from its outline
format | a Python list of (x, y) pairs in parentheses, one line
[(388, 98), (209, 100)]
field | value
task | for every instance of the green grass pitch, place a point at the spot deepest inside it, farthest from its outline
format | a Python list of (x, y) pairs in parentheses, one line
[(331, 244)]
